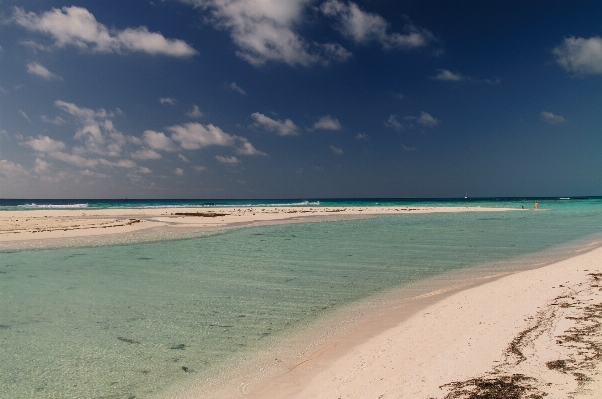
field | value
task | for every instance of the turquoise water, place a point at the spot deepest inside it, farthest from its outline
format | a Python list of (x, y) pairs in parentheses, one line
[(137, 320), (25, 204)]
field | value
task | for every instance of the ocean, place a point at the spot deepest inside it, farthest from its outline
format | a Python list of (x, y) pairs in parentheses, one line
[(149, 319)]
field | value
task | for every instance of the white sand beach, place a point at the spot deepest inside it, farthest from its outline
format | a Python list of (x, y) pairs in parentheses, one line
[(534, 332)]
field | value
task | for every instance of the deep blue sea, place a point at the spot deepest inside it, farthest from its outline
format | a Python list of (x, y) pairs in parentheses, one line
[(146, 319)]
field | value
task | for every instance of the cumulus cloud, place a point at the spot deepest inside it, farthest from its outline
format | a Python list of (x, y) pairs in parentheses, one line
[(227, 160), (327, 123), (362, 136), (363, 27), (195, 112), (35, 68), (336, 150), (552, 119), (183, 158), (158, 141), (45, 144), (96, 130), (580, 56), (76, 26), (179, 171), (264, 30), (247, 148), (145, 153), (167, 100), (427, 120), (448, 76), (233, 86), (144, 170), (10, 169), (192, 136), (199, 169), (282, 128)]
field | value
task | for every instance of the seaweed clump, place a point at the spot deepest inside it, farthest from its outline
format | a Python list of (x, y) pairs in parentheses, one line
[(516, 386)]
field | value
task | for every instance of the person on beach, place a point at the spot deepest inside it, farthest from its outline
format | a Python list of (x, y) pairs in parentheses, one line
[(536, 205)]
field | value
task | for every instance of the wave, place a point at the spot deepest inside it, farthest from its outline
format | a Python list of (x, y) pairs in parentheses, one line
[(36, 206)]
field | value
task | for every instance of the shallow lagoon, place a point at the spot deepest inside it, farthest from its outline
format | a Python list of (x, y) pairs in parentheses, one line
[(133, 321)]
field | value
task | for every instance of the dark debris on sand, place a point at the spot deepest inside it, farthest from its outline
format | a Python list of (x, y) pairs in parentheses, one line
[(582, 342), (516, 386)]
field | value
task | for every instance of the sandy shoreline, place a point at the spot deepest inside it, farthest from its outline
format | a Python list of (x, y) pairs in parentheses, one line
[(535, 332), (52, 224)]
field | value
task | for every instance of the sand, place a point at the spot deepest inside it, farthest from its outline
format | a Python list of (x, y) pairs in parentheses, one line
[(534, 333), (51, 224)]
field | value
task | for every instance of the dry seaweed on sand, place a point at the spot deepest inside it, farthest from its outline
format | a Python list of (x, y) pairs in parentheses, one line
[(516, 386)]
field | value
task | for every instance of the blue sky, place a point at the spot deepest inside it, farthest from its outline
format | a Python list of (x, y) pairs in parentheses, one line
[(300, 98)]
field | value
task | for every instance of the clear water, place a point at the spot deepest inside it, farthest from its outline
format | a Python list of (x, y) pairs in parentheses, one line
[(133, 321)]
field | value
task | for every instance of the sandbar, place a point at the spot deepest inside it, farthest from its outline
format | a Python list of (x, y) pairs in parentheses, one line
[(52, 224)]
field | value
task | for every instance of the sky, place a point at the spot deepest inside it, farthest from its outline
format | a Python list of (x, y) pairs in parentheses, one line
[(300, 98)]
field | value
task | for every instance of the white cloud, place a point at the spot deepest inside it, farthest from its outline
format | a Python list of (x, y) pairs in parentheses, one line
[(237, 88), (327, 123), (445, 75), (552, 119), (144, 170), (283, 128), (96, 130), (199, 169), (580, 56), (145, 153), (179, 171), (409, 149), (448, 76), (227, 160), (183, 158), (193, 136), (247, 148), (336, 150), (195, 112), (364, 27), (393, 123), (427, 120), (158, 141), (41, 167), (45, 144), (10, 169), (24, 115), (264, 30), (56, 121), (167, 100), (362, 136), (76, 26), (35, 68)]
